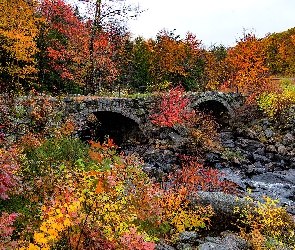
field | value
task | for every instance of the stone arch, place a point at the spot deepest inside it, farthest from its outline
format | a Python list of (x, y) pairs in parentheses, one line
[(213, 101), (217, 109), (117, 126)]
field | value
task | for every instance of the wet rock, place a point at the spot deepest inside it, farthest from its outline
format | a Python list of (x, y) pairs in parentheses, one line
[(249, 145), (282, 150), (228, 242), (188, 237), (260, 158), (176, 138), (228, 135), (250, 170), (212, 158), (269, 167), (164, 247), (276, 185), (288, 139), (185, 246), (241, 142), (251, 133), (229, 144), (223, 206), (221, 203), (236, 162), (271, 148), (260, 151), (269, 133), (278, 157), (269, 156)]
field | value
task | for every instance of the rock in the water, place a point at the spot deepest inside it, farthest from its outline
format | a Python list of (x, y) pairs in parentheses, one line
[(188, 237), (228, 242), (164, 247)]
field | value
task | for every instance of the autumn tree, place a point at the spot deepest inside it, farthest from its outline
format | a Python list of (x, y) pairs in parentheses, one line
[(76, 52), (246, 65), (18, 32), (280, 52), (176, 60), (135, 64), (215, 68), (63, 45), (106, 27)]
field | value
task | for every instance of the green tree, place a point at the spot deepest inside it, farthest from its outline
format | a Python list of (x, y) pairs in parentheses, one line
[(280, 52), (135, 64), (215, 68)]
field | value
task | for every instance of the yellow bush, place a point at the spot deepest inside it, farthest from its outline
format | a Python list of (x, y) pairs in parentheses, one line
[(266, 225)]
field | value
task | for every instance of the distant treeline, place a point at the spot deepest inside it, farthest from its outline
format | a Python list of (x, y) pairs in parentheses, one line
[(49, 46)]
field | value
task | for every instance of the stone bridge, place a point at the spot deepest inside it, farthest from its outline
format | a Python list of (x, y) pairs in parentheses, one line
[(121, 118), (125, 118)]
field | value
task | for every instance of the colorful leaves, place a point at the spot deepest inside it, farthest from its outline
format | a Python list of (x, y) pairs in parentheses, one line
[(9, 170), (246, 65), (18, 31), (6, 230), (276, 100), (172, 109), (265, 223)]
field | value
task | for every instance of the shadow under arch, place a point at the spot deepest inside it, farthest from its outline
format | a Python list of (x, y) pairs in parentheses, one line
[(217, 109), (121, 129)]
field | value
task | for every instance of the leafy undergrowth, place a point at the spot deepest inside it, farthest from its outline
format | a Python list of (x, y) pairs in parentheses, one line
[(61, 193), (56, 196), (103, 200), (266, 225), (277, 100)]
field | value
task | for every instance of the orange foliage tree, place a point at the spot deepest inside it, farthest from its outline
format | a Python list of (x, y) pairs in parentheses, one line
[(18, 31), (78, 52), (175, 60), (246, 65)]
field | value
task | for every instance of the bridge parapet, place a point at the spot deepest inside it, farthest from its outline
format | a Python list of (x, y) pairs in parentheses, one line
[(139, 110), (80, 108)]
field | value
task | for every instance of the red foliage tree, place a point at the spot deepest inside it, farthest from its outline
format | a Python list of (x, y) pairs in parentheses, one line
[(172, 108), (65, 39)]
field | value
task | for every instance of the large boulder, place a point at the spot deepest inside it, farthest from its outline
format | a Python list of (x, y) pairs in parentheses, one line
[(223, 206), (228, 241)]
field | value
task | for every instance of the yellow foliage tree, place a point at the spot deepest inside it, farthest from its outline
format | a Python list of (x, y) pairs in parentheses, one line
[(215, 69), (18, 30)]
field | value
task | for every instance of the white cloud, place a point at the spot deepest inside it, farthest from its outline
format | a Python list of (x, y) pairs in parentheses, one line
[(214, 21)]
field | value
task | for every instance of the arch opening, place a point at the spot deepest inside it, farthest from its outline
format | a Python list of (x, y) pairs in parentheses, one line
[(121, 129), (216, 109)]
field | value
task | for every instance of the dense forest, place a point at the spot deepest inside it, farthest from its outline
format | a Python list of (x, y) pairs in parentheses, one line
[(51, 47), (60, 192)]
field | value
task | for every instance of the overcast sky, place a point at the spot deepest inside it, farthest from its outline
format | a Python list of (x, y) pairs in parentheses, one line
[(213, 21)]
